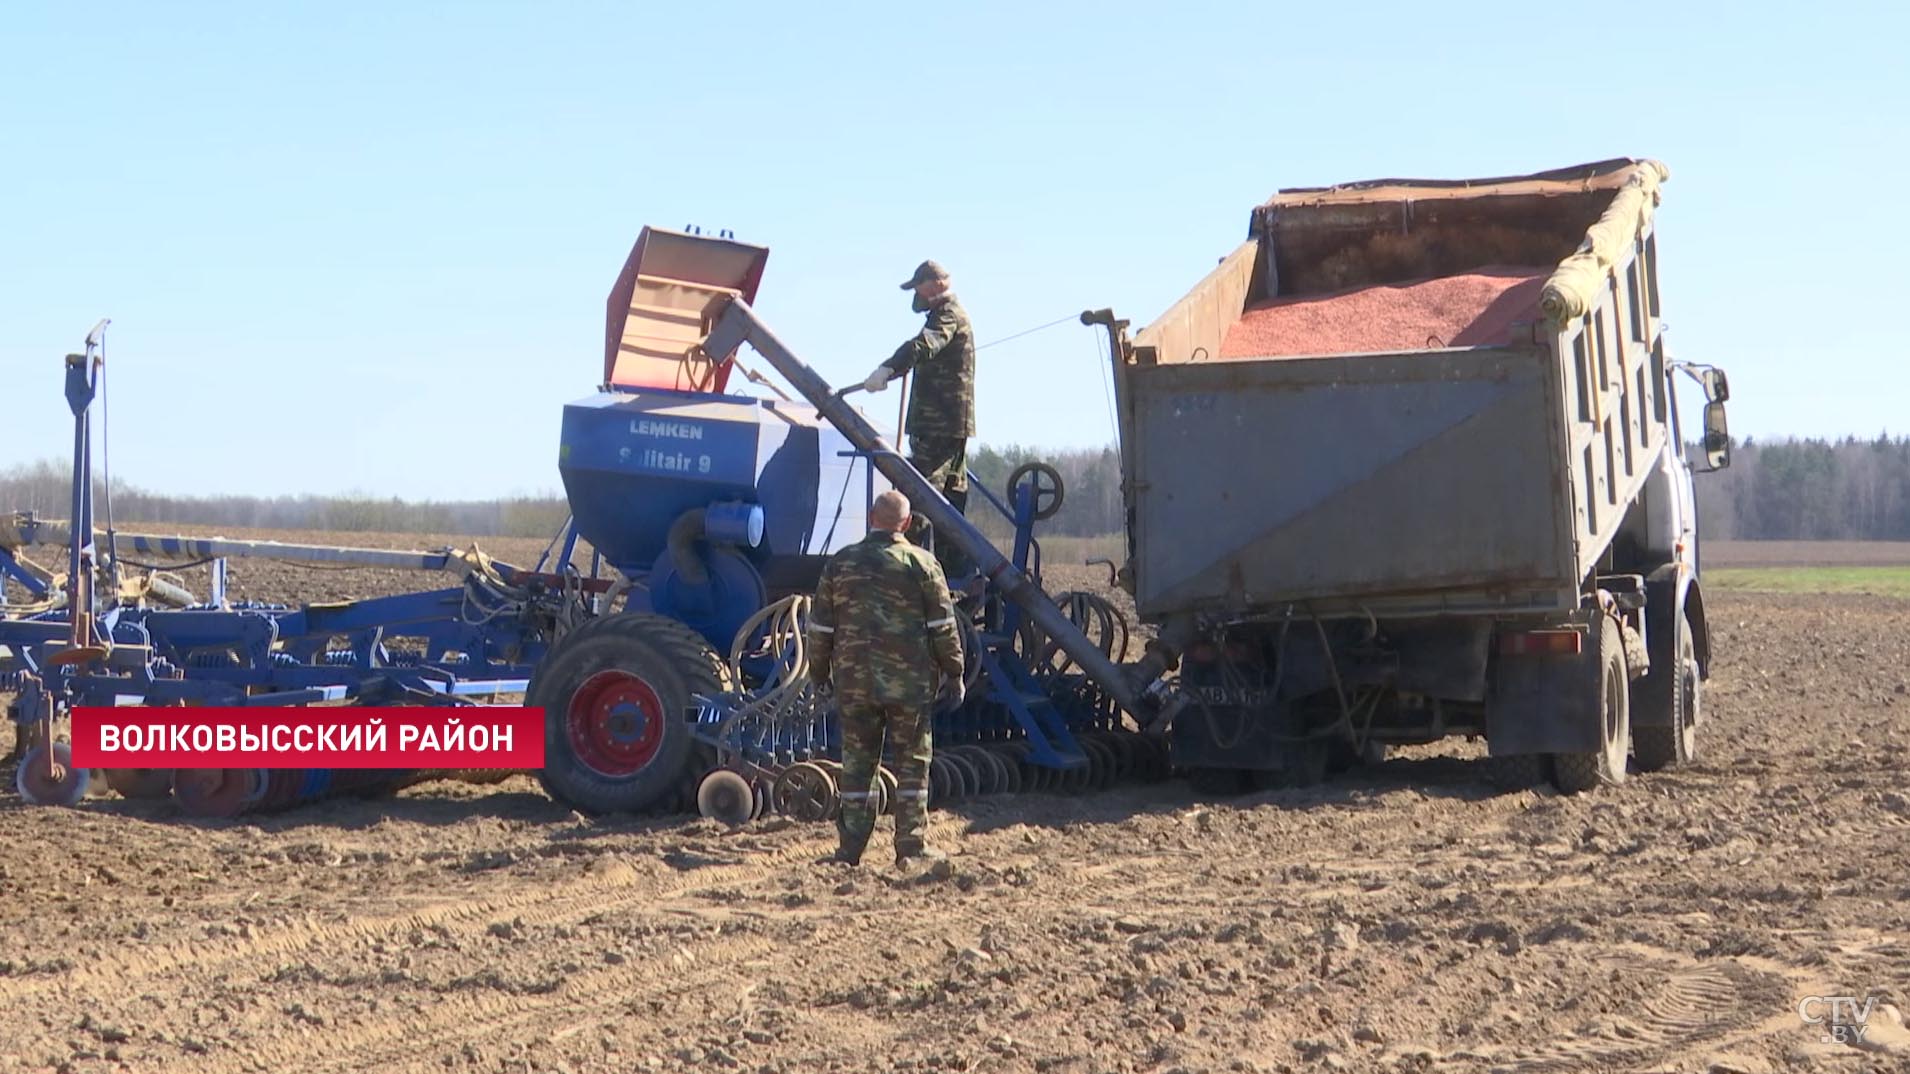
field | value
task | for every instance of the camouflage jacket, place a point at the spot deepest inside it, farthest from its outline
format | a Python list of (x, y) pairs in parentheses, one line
[(942, 355), (881, 624)]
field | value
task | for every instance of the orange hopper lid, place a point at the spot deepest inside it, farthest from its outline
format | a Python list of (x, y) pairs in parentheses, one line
[(664, 304)]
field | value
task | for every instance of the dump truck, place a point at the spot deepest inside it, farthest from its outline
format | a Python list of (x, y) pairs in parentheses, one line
[(1409, 464)]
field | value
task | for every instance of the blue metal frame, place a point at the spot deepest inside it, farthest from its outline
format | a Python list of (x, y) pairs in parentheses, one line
[(1011, 703), (12, 568), (476, 640)]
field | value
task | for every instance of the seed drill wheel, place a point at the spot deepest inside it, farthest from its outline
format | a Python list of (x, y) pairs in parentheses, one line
[(1044, 482), (615, 694), (140, 782), (806, 792), (60, 783), (726, 796)]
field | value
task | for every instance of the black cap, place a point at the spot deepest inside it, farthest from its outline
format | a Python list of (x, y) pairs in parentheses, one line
[(924, 272)]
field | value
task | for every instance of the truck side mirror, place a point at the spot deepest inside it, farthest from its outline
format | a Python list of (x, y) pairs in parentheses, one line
[(1717, 438), (1716, 388)]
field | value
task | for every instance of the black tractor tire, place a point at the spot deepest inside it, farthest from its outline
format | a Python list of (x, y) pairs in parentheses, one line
[(1512, 772), (1212, 783), (1669, 691), (640, 659), (1575, 773), (1342, 757)]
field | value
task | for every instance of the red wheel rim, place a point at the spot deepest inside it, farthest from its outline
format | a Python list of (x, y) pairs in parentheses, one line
[(615, 721)]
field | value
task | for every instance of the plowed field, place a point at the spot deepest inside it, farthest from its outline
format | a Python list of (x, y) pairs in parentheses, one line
[(1402, 918)]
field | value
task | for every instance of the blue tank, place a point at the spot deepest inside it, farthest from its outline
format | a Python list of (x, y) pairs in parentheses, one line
[(753, 489)]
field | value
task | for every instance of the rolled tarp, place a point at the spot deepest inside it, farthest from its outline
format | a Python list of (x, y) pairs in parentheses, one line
[(1573, 289)]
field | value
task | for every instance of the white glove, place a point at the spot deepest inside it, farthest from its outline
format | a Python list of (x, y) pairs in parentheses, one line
[(879, 379)]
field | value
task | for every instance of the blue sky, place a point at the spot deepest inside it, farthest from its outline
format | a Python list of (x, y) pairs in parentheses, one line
[(367, 246)]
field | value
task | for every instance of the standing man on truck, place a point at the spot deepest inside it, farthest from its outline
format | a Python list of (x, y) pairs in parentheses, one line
[(941, 416), (881, 628)]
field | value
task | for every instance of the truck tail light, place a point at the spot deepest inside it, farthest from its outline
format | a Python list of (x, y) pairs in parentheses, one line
[(1542, 643)]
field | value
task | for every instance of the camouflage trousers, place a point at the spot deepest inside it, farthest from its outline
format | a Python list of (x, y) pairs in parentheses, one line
[(907, 729), (944, 461)]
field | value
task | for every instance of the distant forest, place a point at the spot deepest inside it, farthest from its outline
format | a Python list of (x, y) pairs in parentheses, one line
[(1847, 489)]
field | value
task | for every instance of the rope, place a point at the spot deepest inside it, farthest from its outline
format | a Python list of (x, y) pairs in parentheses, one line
[(1104, 373), (1031, 331)]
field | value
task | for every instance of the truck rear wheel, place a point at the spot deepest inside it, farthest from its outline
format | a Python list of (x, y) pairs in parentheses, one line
[(1517, 771), (1577, 772), (615, 693), (1671, 693)]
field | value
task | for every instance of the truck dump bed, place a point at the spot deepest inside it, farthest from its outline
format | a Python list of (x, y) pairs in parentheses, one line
[(1401, 396)]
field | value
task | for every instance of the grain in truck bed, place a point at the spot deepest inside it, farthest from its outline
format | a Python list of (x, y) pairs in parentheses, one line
[(1472, 309)]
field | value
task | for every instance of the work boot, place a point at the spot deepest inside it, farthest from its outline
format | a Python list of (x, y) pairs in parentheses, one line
[(925, 854), (849, 852)]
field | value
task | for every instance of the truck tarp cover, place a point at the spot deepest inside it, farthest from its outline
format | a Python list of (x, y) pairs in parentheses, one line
[(1574, 288)]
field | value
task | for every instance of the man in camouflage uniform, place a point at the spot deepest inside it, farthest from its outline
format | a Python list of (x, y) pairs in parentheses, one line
[(882, 629), (941, 415)]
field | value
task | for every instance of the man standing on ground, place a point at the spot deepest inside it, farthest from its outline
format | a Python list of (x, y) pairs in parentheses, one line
[(941, 415), (882, 629)]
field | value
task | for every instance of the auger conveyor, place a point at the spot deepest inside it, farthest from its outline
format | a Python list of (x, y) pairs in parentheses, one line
[(735, 324)]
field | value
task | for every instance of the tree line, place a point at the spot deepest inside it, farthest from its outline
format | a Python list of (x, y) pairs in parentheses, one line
[(1809, 490), (1812, 489), (45, 488)]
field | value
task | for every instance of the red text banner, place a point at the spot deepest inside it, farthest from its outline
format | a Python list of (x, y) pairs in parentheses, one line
[(488, 736)]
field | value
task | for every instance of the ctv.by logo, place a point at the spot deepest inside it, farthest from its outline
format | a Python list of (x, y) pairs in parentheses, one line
[(1845, 1018)]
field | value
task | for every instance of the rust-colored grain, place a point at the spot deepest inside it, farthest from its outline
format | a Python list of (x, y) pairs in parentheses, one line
[(1475, 309)]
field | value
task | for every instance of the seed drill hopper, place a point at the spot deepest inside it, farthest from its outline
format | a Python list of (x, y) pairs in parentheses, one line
[(706, 516), (716, 512)]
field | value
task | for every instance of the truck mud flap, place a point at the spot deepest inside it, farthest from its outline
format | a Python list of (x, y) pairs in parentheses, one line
[(1544, 703)]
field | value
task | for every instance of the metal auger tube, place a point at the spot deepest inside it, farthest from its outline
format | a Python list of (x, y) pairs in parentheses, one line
[(738, 324)]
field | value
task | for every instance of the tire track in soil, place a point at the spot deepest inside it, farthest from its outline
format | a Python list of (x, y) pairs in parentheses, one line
[(534, 904), (1698, 1004), (409, 1038), (412, 1039)]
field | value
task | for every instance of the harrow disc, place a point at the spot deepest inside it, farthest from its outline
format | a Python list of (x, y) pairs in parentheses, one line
[(1126, 757), (998, 770), (956, 777), (806, 792), (976, 773), (1102, 769), (971, 776), (65, 785), (140, 782), (726, 796), (1009, 765), (1077, 780), (938, 779), (217, 792)]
